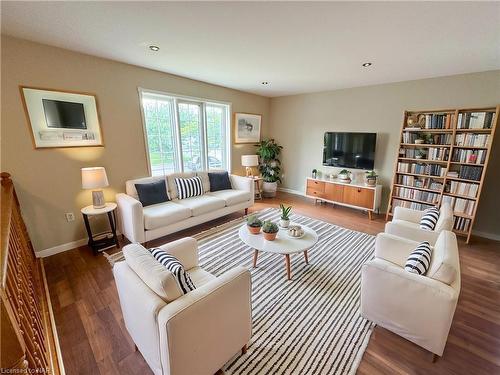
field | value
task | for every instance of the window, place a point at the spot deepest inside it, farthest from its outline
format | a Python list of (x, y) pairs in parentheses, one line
[(185, 134)]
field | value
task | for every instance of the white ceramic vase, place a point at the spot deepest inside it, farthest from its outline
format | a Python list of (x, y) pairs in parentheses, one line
[(284, 223)]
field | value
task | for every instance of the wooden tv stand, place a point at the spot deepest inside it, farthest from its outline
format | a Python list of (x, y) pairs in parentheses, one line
[(355, 195)]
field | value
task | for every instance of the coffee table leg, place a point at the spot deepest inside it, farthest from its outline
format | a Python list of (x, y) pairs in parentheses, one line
[(255, 255), (305, 256), (287, 263)]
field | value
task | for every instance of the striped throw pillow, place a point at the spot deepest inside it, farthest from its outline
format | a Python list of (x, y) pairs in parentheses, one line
[(173, 265), (419, 260), (189, 187), (430, 218)]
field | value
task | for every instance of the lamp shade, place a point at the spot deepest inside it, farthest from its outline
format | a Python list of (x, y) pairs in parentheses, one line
[(249, 160), (94, 178)]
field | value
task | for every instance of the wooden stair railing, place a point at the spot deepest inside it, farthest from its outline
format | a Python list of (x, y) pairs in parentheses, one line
[(28, 335)]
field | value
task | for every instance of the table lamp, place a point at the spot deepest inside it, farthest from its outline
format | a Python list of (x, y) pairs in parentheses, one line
[(95, 178), (249, 161)]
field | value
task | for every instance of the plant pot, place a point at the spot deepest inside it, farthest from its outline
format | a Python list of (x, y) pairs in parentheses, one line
[(270, 236), (254, 230), (269, 189), (371, 181), (284, 223)]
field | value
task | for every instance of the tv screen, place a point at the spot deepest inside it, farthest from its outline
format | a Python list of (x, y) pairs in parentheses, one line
[(64, 115), (349, 150)]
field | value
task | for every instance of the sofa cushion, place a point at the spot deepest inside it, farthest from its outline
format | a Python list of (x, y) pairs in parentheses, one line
[(189, 187), (200, 276), (419, 259), (171, 187), (429, 219), (130, 185), (151, 272), (204, 180), (219, 181), (162, 214), (172, 264), (152, 192), (232, 197), (202, 204)]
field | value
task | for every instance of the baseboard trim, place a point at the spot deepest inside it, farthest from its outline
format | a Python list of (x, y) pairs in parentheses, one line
[(490, 236), (60, 248), (292, 191)]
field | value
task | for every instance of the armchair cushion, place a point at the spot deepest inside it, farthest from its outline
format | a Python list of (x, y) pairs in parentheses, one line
[(151, 272), (219, 181), (429, 219), (419, 260), (152, 193), (172, 264)]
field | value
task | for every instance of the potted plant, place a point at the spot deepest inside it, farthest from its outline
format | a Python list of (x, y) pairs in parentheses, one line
[(345, 175), (420, 154), (285, 216), (314, 173), (420, 139), (254, 224), (270, 166), (371, 178), (270, 230)]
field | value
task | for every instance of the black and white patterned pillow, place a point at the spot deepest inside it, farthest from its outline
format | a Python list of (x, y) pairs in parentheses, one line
[(419, 260), (173, 265), (430, 218), (189, 187)]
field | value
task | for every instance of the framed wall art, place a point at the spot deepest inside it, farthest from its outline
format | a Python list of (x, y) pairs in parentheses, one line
[(61, 118), (247, 127)]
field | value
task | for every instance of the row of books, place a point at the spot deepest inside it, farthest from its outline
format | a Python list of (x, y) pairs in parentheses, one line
[(437, 139), (462, 188), (461, 224), (471, 139), (475, 120), (460, 205), (435, 121), (419, 182), (419, 195), (430, 153), (437, 153), (469, 156), (468, 172), (407, 204), (426, 169)]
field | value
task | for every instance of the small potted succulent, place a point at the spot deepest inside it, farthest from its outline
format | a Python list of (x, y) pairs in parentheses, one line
[(270, 230), (285, 216), (254, 224), (371, 178), (344, 175)]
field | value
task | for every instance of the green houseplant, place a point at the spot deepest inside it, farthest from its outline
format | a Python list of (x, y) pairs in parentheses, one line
[(371, 178), (254, 224), (270, 230), (345, 175), (270, 166), (285, 216)]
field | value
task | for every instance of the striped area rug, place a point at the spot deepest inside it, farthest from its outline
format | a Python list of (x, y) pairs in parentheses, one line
[(311, 324)]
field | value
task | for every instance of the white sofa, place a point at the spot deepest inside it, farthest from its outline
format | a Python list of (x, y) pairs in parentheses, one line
[(142, 224), (183, 334), (416, 307), (406, 223)]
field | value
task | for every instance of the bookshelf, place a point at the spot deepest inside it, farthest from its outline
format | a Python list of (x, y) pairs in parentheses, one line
[(443, 156)]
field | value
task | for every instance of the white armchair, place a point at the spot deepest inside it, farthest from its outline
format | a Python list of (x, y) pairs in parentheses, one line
[(406, 223), (416, 307), (194, 333)]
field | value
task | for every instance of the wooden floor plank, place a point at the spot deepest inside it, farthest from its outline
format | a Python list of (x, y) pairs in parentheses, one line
[(94, 339)]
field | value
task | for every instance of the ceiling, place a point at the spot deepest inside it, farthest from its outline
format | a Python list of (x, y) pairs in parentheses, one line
[(296, 46)]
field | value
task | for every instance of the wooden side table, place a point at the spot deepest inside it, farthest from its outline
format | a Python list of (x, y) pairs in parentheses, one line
[(101, 241), (257, 191)]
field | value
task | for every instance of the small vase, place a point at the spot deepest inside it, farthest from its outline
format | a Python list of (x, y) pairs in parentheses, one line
[(284, 223), (253, 230), (270, 236)]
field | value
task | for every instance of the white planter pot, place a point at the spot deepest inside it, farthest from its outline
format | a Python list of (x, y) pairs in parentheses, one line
[(269, 189), (284, 223)]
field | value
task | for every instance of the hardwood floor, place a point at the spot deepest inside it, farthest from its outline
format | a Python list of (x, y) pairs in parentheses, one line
[(94, 340)]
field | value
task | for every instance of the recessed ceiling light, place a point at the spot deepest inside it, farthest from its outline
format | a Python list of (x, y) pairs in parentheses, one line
[(154, 48), (265, 83), (366, 65)]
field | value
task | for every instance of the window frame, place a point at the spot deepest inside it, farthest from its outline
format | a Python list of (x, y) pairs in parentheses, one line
[(202, 103)]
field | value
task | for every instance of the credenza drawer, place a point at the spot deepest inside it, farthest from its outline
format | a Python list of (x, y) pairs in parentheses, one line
[(357, 196), (316, 185)]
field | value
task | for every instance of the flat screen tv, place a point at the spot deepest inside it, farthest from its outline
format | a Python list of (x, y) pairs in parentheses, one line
[(349, 150), (64, 115)]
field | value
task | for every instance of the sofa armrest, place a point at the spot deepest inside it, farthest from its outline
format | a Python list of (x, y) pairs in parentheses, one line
[(415, 234), (131, 218), (209, 324), (416, 307), (242, 183), (393, 249), (407, 214), (185, 250)]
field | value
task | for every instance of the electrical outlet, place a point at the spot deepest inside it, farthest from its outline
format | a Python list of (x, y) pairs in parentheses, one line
[(70, 216)]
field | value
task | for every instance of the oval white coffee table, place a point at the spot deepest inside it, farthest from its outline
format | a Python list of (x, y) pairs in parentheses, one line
[(283, 244)]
